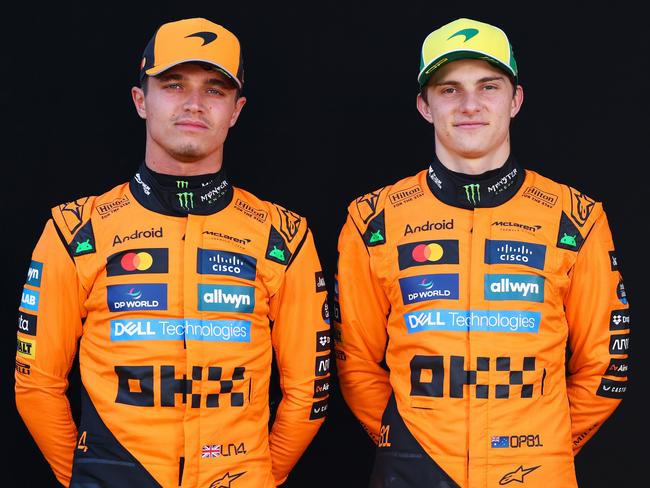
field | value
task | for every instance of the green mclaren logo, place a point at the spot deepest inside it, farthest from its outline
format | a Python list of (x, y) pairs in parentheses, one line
[(468, 33)]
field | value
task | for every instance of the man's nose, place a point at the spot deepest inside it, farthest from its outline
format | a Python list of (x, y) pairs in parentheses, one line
[(193, 101), (470, 102)]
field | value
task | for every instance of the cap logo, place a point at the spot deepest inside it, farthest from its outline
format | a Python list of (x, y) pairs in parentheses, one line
[(207, 37), (468, 33)]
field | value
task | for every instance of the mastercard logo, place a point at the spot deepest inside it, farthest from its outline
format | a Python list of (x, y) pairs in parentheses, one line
[(136, 261), (426, 253), (431, 252), (140, 261)]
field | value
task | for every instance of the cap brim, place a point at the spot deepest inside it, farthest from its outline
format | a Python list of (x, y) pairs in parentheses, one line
[(156, 70), (426, 73)]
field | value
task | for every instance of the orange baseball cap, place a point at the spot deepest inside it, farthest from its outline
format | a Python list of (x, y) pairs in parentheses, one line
[(189, 40)]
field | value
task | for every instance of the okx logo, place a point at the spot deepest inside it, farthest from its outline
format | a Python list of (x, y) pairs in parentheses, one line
[(473, 193), (226, 298), (444, 251)]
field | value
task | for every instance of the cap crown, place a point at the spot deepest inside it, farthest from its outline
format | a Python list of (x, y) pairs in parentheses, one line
[(466, 38), (193, 40)]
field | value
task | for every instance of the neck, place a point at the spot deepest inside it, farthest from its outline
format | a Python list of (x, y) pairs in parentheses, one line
[(473, 165), (162, 162)]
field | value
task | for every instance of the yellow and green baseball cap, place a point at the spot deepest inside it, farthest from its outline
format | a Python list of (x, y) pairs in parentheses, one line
[(462, 39), (197, 40)]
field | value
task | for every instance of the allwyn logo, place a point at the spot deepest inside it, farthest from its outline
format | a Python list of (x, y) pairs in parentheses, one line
[(227, 298), (514, 287)]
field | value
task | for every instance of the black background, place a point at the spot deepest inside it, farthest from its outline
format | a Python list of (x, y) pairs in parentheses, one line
[(330, 115)]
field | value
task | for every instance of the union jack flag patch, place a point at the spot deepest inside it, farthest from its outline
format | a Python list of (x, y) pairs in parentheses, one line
[(211, 450)]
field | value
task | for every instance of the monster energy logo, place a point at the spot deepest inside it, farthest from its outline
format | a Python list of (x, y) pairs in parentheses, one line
[(181, 184), (186, 200), (473, 193)]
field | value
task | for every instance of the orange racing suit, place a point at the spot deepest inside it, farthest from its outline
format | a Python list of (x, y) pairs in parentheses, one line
[(180, 293), (481, 327)]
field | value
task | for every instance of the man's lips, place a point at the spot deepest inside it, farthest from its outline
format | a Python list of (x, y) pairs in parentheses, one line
[(470, 125), (191, 124)]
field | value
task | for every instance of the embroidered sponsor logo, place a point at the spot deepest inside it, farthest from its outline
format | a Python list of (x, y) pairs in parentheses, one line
[(26, 347), (429, 287), (428, 225), (138, 261), (226, 298), (137, 296), (472, 320), (367, 205), (34, 273), (27, 323), (250, 211), (515, 252), (318, 410), (138, 234), (139, 329), (109, 208), (227, 263), (514, 287), (540, 196), (427, 252), (29, 299), (401, 197), (619, 319)]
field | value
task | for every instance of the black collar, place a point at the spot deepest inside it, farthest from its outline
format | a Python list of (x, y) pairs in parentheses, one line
[(179, 196), (488, 189)]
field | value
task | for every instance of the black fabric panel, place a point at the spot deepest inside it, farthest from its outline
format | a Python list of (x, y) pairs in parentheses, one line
[(101, 461), (403, 463)]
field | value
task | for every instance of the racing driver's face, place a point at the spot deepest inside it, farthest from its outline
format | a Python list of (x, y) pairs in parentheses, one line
[(189, 109), (470, 103)]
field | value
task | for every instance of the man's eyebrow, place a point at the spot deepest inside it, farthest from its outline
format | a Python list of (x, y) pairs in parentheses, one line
[(219, 82), (485, 79), (170, 76)]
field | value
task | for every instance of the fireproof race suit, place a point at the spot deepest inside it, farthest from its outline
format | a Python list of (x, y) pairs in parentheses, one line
[(482, 327), (180, 291)]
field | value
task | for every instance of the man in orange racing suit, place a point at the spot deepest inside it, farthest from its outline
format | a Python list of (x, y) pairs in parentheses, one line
[(481, 322), (182, 290)]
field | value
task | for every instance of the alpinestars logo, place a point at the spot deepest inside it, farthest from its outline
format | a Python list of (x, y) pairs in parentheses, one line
[(473, 193), (367, 205), (226, 480), (289, 223), (186, 200), (517, 475)]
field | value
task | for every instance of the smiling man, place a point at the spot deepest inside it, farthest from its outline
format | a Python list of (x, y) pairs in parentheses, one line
[(181, 291), (482, 327)]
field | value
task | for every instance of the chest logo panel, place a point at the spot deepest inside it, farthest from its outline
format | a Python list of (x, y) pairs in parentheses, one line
[(515, 252), (422, 253)]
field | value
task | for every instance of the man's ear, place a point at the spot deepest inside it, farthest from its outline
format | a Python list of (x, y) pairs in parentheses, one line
[(137, 94), (423, 108)]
